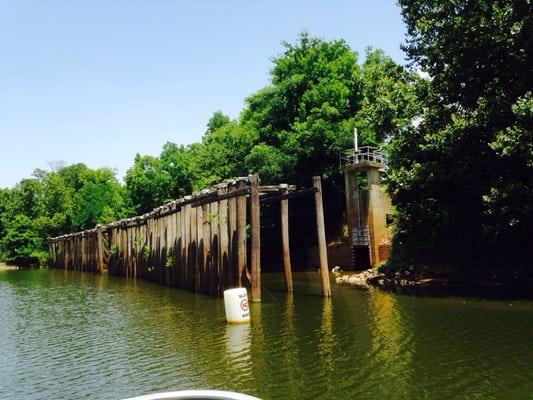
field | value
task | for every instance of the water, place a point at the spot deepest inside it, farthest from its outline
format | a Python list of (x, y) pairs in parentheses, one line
[(69, 335)]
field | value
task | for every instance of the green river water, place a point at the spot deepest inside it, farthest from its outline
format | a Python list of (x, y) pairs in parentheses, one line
[(69, 335)]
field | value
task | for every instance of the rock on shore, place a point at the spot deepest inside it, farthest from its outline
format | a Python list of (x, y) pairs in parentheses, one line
[(360, 279)]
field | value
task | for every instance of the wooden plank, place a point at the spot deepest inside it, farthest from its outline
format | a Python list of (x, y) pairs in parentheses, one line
[(241, 235), (140, 258), (182, 249), (215, 278), (127, 251), (275, 188), (83, 261), (212, 197), (157, 250), (193, 263), (206, 248), (160, 251), (127, 244), (322, 247), (200, 275), (186, 244), (274, 197), (171, 247), (232, 237), (147, 255), (135, 247), (223, 263), (179, 250), (164, 250), (256, 239), (284, 211)]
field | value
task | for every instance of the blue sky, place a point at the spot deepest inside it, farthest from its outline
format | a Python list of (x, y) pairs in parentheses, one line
[(98, 81)]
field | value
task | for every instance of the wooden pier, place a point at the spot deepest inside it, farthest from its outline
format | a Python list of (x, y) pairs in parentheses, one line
[(198, 243)]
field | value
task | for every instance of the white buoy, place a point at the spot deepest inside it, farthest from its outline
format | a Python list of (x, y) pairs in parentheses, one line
[(236, 304)]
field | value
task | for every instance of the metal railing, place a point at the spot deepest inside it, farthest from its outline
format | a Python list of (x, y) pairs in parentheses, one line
[(365, 153)]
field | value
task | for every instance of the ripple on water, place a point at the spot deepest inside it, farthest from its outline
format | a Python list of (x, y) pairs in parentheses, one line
[(67, 335)]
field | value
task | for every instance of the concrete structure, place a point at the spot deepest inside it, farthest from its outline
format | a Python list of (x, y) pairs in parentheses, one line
[(367, 206)]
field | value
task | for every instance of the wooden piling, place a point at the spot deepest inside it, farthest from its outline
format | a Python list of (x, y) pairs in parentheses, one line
[(200, 272), (193, 259), (255, 220), (215, 245), (241, 234), (206, 249), (322, 247), (284, 211), (171, 246), (187, 244), (232, 237), (178, 251), (223, 263)]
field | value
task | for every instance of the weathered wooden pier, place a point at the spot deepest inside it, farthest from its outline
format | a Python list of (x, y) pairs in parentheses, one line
[(198, 242)]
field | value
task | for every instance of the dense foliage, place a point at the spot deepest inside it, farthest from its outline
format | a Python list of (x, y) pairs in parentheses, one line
[(462, 179), (51, 203)]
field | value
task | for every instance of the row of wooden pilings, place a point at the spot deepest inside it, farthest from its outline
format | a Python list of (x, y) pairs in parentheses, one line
[(198, 243)]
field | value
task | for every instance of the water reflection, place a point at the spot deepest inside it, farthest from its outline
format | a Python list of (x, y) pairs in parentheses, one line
[(238, 341), (326, 344), (392, 344)]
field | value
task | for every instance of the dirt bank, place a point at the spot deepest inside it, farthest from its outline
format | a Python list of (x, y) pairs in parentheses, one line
[(409, 281), (5, 267)]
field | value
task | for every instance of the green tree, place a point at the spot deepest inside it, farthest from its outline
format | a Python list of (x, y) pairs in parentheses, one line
[(22, 243), (461, 180), (217, 121), (178, 163), (148, 183), (99, 201), (388, 102), (306, 112), (68, 199), (222, 154)]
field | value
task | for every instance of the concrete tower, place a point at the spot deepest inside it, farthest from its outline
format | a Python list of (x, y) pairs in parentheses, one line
[(367, 206)]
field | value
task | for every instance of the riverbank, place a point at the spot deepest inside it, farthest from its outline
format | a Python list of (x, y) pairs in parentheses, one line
[(5, 267), (417, 281)]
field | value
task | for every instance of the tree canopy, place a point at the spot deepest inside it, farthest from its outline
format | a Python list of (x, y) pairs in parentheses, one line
[(52, 203), (461, 180)]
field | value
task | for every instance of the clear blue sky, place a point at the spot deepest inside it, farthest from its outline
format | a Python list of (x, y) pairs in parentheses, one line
[(98, 81)]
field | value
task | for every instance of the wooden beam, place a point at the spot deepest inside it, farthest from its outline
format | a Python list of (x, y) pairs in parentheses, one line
[(178, 251), (200, 271), (232, 237), (206, 284), (256, 239), (187, 245), (284, 211), (223, 263), (193, 248), (322, 247), (241, 234), (215, 246)]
